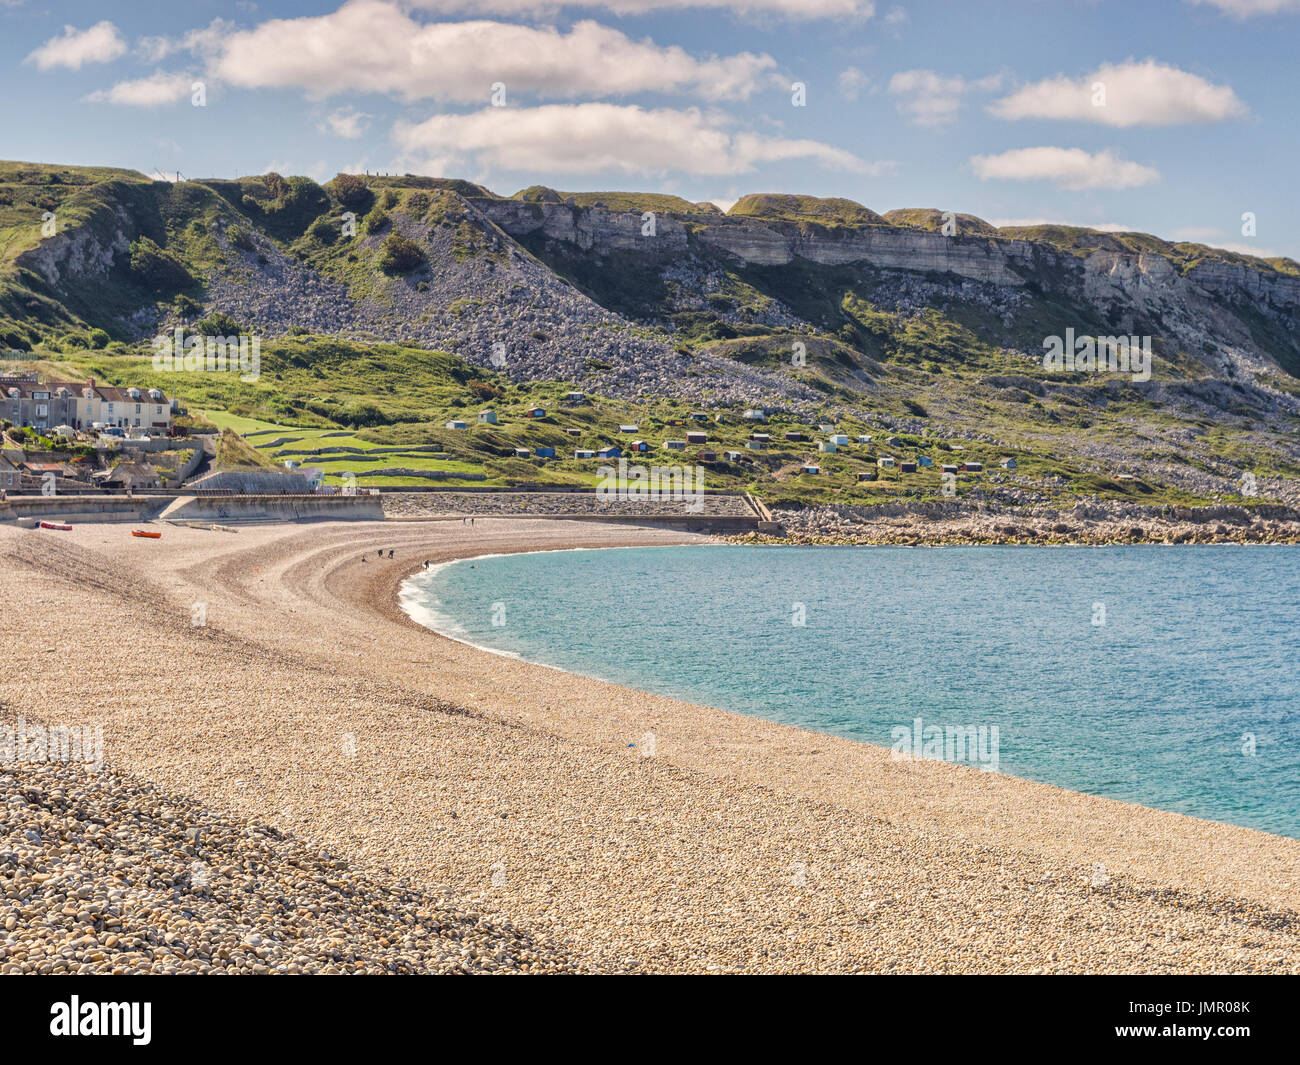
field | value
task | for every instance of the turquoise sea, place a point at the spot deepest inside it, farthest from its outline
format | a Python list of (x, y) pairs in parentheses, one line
[(1166, 676)]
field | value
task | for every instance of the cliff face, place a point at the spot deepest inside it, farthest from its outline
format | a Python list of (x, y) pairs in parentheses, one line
[(1103, 274), (1199, 305)]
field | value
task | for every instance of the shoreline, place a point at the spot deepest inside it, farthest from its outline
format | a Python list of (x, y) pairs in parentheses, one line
[(743, 845)]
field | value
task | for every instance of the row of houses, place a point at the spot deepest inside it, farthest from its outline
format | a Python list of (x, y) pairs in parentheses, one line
[(27, 400), (20, 474)]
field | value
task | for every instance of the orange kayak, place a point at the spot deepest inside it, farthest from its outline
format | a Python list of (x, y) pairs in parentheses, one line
[(52, 525), (148, 535)]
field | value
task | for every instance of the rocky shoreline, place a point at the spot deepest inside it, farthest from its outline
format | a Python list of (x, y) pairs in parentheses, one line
[(1084, 524)]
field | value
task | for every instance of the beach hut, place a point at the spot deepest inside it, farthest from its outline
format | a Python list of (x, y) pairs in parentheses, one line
[(573, 432), (697, 438), (522, 453), (699, 416), (907, 467), (762, 438), (949, 469), (535, 412), (575, 397), (755, 414), (755, 445), (870, 475), (733, 456), (826, 446), (893, 441), (545, 452), (864, 439), (584, 453), (707, 456), (675, 445), (796, 436), (839, 440), (610, 453), (454, 424), (487, 417), (1008, 464), (810, 469), (629, 428), (972, 467), (825, 427), (924, 460), (885, 462), (640, 445)]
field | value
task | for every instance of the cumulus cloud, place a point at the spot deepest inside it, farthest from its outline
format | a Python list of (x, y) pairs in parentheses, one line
[(851, 83), (1135, 94), (205, 41), (929, 99), (346, 122), (375, 46), (74, 48), (1067, 168), (803, 9), (605, 138), (156, 90)]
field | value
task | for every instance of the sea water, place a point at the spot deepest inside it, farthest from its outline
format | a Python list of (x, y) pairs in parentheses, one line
[(1160, 675)]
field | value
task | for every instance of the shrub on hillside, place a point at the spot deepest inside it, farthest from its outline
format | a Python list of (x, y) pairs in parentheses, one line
[(158, 269), (240, 238), (275, 185), (377, 220), (417, 203), (351, 191), (217, 324), (324, 230), (400, 254)]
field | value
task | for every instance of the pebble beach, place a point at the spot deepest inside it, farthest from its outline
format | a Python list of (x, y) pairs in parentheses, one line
[(299, 778)]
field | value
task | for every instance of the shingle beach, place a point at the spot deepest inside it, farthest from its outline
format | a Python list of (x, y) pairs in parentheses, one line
[(309, 781)]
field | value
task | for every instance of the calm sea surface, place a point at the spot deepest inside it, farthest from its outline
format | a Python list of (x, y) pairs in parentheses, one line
[(1166, 676)]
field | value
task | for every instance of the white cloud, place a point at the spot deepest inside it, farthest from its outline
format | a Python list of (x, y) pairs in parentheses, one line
[(206, 41), (74, 48), (1248, 8), (1067, 168), (805, 9), (154, 91), (851, 83), (895, 16), (1197, 233), (375, 46), (602, 138), (346, 122), (1135, 94), (930, 99)]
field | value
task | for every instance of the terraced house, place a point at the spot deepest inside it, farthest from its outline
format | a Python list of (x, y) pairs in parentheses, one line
[(27, 400)]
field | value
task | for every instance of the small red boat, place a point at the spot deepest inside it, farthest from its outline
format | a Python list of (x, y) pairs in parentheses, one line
[(52, 525), (147, 535)]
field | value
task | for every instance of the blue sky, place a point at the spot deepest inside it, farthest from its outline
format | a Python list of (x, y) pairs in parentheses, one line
[(1173, 117)]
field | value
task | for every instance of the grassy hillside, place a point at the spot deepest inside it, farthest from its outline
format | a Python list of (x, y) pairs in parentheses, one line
[(941, 363)]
